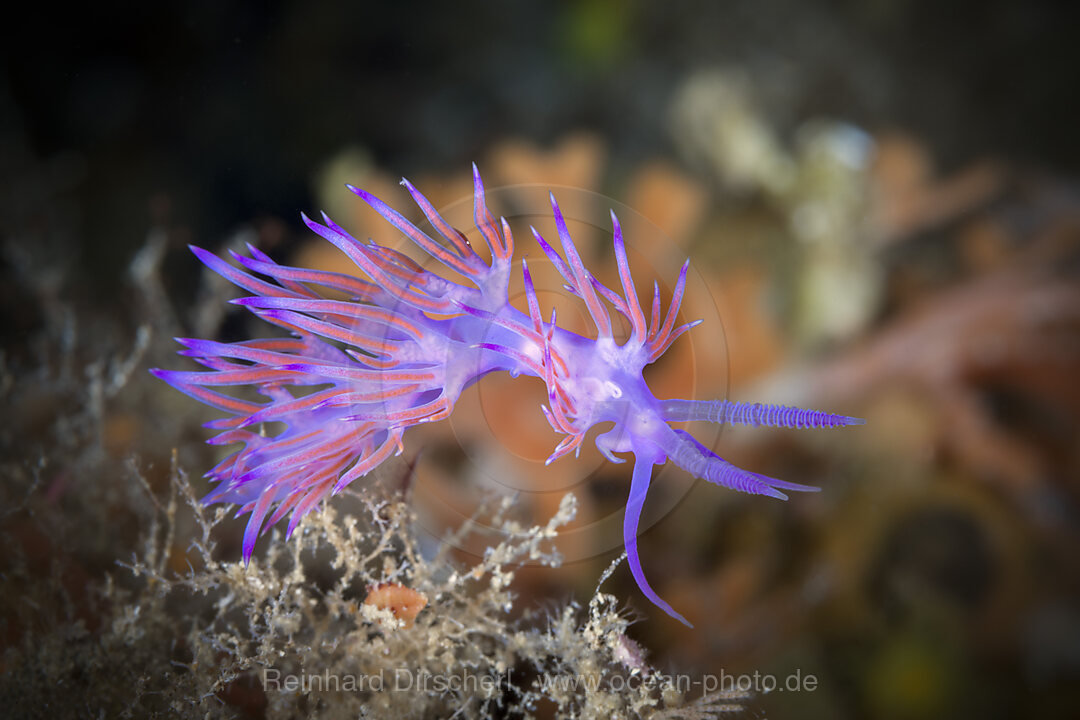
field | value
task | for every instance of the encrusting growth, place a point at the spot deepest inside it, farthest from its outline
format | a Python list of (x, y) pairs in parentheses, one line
[(400, 351)]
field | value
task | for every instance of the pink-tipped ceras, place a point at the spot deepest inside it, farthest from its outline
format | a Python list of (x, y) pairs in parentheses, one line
[(406, 343)]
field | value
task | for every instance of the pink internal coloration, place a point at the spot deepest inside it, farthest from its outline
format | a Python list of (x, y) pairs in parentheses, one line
[(357, 373)]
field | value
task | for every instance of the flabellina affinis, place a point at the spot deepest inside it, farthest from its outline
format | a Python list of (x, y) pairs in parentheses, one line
[(407, 341)]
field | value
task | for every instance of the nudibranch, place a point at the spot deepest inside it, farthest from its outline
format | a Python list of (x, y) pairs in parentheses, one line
[(354, 374)]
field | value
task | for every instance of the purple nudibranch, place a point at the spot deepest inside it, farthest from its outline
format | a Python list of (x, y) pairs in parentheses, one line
[(406, 344)]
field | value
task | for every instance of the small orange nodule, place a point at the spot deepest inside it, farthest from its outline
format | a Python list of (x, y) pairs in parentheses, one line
[(405, 603)]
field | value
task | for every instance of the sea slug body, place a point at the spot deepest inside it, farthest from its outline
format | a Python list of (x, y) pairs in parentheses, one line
[(406, 343)]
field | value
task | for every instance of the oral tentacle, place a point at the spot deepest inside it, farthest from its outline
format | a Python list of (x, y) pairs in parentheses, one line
[(685, 451), (639, 488)]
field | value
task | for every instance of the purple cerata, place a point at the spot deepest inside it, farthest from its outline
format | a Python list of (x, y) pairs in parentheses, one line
[(407, 341)]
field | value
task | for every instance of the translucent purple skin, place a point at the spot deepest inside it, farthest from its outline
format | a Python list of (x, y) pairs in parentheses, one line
[(400, 351)]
